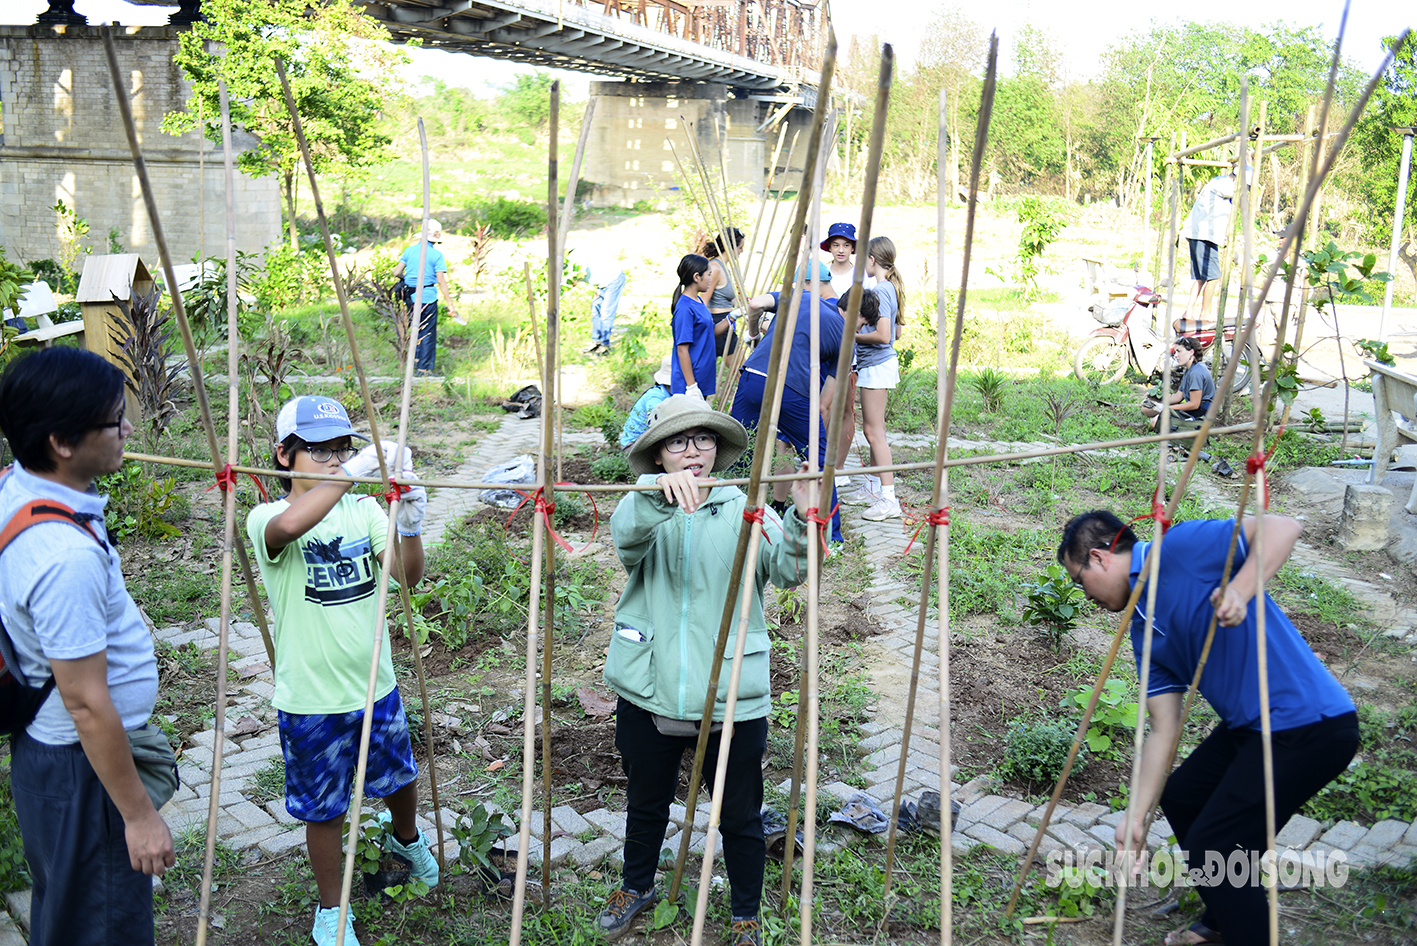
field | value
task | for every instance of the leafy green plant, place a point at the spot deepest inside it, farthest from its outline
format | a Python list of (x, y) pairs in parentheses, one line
[(1054, 603), (612, 467), (1041, 227), (1376, 351), (371, 858), (1377, 787), (1114, 710), (13, 278), (991, 385), (790, 605), (140, 504), (14, 871), (72, 230), (1036, 751), (1316, 420), (477, 832), (1081, 889), (146, 343)]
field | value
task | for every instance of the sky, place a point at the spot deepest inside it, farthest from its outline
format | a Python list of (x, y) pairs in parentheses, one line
[(1082, 30)]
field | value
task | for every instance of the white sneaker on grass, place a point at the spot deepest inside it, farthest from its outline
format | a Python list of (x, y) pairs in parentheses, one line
[(326, 931), (861, 497), (882, 510)]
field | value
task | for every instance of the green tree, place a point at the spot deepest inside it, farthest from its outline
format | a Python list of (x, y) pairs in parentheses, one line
[(951, 55), (528, 99), (340, 78), (1025, 133), (1379, 146)]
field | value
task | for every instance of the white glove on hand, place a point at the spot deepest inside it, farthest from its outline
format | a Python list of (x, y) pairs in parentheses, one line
[(366, 461), (693, 391), (412, 505)]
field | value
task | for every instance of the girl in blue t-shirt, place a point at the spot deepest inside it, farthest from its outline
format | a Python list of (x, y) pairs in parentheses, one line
[(694, 365)]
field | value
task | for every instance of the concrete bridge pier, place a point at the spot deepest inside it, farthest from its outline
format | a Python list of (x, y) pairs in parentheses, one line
[(628, 157)]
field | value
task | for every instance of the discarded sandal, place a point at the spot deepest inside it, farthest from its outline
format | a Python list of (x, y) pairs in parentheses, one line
[(1197, 934)]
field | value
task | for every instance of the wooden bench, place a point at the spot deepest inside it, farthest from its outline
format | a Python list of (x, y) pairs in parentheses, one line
[(1395, 404), (36, 302)]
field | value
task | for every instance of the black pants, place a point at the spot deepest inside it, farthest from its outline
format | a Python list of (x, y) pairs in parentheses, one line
[(652, 760), (1215, 802), (85, 891)]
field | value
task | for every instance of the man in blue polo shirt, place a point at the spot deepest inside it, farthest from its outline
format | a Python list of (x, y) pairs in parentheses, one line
[(795, 417), (1215, 798)]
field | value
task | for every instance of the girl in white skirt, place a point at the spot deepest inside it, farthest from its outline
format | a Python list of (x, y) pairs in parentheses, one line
[(878, 371)]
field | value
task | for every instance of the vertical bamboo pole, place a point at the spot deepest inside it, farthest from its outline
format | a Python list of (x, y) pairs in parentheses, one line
[(767, 429), (233, 424), (416, 322), (553, 347)]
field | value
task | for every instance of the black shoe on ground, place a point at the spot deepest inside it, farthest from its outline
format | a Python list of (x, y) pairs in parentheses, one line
[(620, 909), (746, 932)]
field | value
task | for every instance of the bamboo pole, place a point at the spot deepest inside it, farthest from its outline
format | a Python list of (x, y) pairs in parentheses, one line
[(1197, 149), (386, 474), (767, 428), (553, 313), (559, 251), (233, 424)]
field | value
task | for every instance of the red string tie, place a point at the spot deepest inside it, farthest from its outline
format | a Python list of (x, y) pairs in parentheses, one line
[(1255, 464), (814, 517), (1157, 514), (395, 491), (226, 479), (546, 510), (939, 517), (751, 516)]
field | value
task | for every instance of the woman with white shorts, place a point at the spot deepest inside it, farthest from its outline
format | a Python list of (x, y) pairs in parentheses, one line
[(877, 373)]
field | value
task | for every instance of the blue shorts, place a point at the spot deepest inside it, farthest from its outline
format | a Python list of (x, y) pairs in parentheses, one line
[(1205, 260), (322, 752)]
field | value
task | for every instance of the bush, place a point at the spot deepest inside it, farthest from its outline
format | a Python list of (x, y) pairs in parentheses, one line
[(1035, 752), (613, 467), (507, 219)]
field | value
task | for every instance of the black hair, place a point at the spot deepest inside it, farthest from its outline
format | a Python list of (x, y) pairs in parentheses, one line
[(718, 246), (870, 305), (291, 444), (62, 392), (1098, 529), (690, 268)]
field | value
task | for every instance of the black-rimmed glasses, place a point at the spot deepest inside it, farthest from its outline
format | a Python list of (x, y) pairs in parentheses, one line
[(702, 441), (323, 454)]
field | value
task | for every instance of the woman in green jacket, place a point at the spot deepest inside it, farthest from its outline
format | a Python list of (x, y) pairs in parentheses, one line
[(677, 544)]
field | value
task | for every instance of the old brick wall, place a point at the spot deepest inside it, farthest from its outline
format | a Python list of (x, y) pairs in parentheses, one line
[(63, 139)]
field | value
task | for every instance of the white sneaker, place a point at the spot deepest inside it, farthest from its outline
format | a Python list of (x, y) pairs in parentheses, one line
[(861, 497), (882, 510), (326, 928), (843, 480)]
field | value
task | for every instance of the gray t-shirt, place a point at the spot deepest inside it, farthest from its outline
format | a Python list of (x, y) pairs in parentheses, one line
[(62, 596), (1198, 376), (868, 356)]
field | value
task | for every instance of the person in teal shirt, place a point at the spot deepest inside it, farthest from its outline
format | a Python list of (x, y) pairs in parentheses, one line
[(425, 290)]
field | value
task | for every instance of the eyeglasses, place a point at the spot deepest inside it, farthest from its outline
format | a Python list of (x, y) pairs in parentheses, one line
[(323, 454), (704, 441), (116, 424)]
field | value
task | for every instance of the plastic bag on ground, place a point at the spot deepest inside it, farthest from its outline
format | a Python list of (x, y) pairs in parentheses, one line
[(520, 471)]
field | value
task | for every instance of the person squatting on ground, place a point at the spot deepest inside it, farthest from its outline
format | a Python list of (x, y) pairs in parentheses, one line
[(877, 372), (638, 420), (606, 274), (1207, 229), (91, 833), (320, 550), (435, 278), (694, 367), (1215, 800), (1197, 385), (721, 294), (795, 417), (676, 544)]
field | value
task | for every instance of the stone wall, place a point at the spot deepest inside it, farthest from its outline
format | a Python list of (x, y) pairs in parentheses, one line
[(63, 139)]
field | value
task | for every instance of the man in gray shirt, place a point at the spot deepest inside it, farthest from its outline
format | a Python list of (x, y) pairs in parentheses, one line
[(69, 614)]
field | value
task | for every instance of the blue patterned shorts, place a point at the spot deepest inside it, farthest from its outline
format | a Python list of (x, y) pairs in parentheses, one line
[(322, 752)]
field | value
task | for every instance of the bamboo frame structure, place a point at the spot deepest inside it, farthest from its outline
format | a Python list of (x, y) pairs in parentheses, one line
[(745, 557)]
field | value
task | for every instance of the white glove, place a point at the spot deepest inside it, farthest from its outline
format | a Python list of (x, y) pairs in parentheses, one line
[(693, 391), (366, 461), (412, 505)]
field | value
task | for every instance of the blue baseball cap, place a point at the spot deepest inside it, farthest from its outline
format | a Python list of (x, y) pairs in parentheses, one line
[(823, 270), (314, 420), (847, 230)]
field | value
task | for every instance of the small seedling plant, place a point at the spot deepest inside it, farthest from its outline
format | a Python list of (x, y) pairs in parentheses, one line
[(369, 857), (477, 833), (1054, 604), (1114, 710)]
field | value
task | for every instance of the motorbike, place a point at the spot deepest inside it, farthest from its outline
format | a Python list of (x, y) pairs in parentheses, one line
[(1126, 339)]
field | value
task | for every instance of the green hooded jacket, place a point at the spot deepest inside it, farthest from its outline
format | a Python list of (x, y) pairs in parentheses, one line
[(667, 621)]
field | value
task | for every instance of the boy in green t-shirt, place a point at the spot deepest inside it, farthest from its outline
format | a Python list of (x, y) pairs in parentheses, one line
[(320, 549)]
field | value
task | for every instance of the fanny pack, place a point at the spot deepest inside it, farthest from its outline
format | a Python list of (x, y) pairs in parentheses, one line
[(156, 764), (668, 726)]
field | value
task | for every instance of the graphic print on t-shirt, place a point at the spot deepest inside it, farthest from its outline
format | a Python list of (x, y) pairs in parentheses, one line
[(336, 573)]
